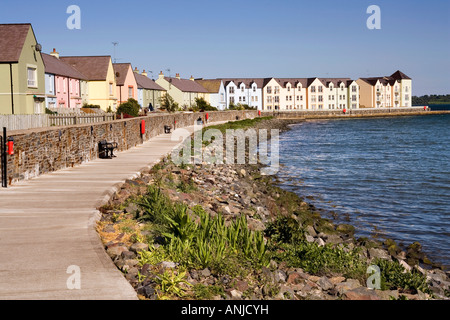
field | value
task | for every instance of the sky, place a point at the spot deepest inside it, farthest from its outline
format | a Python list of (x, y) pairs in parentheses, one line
[(252, 38)]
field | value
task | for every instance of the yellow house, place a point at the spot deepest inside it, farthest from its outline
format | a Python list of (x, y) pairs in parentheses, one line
[(22, 71), (99, 72), (183, 91)]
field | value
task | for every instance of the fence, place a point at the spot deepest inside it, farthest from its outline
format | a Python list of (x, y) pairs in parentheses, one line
[(31, 121)]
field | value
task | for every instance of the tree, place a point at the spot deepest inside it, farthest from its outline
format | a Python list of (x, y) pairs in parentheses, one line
[(168, 103), (202, 105), (131, 107)]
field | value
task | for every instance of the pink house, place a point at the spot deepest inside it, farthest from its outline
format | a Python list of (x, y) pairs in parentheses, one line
[(63, 83), (126, 82)]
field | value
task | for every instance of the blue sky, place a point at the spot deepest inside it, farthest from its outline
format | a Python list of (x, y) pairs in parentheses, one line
[(248, 38)]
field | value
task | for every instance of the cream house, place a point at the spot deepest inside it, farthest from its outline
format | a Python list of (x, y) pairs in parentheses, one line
[(386, 92)]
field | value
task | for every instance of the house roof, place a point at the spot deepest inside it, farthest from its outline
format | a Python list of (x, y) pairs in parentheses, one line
[(398, 75), (57, 67), (212, 86), (12, 39), (95, 68), (186, 85), (120, 71), (260, 82), (144, 82), (383, 80)]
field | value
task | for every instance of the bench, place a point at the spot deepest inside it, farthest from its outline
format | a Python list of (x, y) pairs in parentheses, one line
[(167, 129), (106, 149)]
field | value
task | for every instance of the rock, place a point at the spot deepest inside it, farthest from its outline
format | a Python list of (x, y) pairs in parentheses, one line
[(294, 278), (310, 230), (116, 251), (405, 265), (168, 265), (273, 265), (234, 294), (147, 291), (334, 239), (350, 284), (138, 247), (241, 286), (346, 229), (320, 242), (131, 208), (128, 255), (255, 225), (309, 238), (325, 283), (361, 293), (336, 280), (285, 293), (280, 276), (313, 278), (109, 229), (375, 253), (387, 294), (205, 272), (243, 172)]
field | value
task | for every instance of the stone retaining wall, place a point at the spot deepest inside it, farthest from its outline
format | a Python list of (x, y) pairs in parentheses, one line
[(350, 113), (40, 151)]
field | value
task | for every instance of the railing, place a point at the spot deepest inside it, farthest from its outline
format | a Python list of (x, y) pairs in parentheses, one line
[(73, 119), (31, 121)]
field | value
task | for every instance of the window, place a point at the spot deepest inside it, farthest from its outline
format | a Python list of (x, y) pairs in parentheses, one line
[(320, 98), (288, 89), (320, 89), (110, 89), (354, 89), (277, 90), (32, 78), (254, 89), (242, 89), (354, 97), (277, 99), (313, 88), (130, 92), (313, 98), (231, 90), (256, 98), (269, 99), (231, 99), (269, 89)]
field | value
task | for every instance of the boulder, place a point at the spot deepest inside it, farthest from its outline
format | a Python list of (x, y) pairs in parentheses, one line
[(375, 253), (325, 283), (361, 293), (138, 247), (350, 284)]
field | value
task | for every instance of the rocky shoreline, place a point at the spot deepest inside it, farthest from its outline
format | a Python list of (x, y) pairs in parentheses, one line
[(303, 255)]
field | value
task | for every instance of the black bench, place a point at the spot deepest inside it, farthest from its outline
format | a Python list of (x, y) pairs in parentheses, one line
[(167, 129), (106, 149)]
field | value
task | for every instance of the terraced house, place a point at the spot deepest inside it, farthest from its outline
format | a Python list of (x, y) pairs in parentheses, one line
[(125, 82), (183, 91), (65, 86), (386, 92), (244, 91), (149, 93), (22, 71), (101, 80)]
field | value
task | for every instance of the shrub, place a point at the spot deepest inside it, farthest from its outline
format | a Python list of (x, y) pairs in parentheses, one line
[(168, 103), (131, 107)]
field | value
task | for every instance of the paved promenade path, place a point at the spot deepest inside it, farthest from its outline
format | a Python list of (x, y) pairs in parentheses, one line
[(48, 225)]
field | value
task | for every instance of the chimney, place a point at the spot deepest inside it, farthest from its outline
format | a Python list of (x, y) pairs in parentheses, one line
[(54, 53), (192, 78), (178, 76), (136, 70), (161, 75), (144, 73)]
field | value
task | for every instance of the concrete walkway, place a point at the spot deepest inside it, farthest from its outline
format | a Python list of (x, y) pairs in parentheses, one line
[(48, 225)]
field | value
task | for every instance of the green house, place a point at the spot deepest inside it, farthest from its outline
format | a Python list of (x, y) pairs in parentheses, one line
[(22, 71)]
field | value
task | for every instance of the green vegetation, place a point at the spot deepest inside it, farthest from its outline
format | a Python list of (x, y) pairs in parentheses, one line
[(240, 106), (201, 105), (168, 103), (394, 276), (131, 108), (430, 99), (91, 106), (196, 240)]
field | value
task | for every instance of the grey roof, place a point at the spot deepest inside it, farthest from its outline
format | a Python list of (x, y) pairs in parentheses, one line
[(12, 39), (95, 68), (57, 67), (186, 85), (144, 82)]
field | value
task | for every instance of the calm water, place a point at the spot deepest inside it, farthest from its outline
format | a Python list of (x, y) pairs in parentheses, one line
[(388, 176)]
